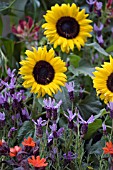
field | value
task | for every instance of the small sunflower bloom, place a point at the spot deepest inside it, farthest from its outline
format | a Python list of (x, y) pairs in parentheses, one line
[(29, 142), (14, 151), (43, 72), (66, 26), (103, 81), (109, 148), (37, 162)]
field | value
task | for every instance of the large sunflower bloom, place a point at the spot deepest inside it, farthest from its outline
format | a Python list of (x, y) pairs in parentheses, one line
[(67, 26), (103, 81), (43, 72)]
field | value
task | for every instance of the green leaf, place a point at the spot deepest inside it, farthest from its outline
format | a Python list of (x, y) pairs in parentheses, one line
[(74, 60), (93, 127), (90, 105), (3, 63), (109, 49), (1, 25), (8, 51), (5, 7), (97, 47), (97, 147), (27, 129), (85, 70), (64, 96), (101, 113)]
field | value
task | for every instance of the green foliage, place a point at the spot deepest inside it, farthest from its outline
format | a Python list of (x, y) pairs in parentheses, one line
[(26, 130), (93, 128)]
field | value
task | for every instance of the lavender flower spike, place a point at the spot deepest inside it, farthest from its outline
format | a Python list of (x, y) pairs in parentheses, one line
[(2, 119), (100, 40), (11, 73), (110, 106), (98, 29), (51, 108), (2, 116), (71, 115), (90, 120), (39, 123), (84, 127), (90, 2), (70, 119), (69, 156), (70, 87)]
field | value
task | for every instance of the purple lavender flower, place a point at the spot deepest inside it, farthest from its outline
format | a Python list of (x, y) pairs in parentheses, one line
[(110, 106), (70, 156), (84, 123), (11, 131), (54, 132), (2, 119), (100, 40), (24, 114), (10, 85), (98, 5), (48, 104), (90, 3), (4, 100), (98, 29), (70, 119), (17, 100), (98, 8), (70, 87), (104, 129), (39, 123), (54, 110), (11, 73), (51, 108)]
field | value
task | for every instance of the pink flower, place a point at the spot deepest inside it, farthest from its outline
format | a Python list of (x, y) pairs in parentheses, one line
[(26, 30), (109, 3)]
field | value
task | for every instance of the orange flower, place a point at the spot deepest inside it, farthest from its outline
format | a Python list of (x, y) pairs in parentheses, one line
[(14, 151), (37, 162), (109, 148), (1, 142), (29, 142)]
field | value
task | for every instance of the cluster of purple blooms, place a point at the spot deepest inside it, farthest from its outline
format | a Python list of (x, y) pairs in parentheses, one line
[(53, 132), (97, 6), (11, 99), (12, 102)]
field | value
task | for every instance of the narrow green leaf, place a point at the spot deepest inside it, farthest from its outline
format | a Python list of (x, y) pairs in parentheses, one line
[(109, 49), (98, 48), (101, 113)]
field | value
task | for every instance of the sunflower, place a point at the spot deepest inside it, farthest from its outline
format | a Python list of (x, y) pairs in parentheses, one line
[(103, 81), (43, 72), (67, 26)]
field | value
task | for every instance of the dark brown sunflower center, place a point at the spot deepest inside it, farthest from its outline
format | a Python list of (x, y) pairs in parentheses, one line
[(43, 72), (110, 82), (67, 27)]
